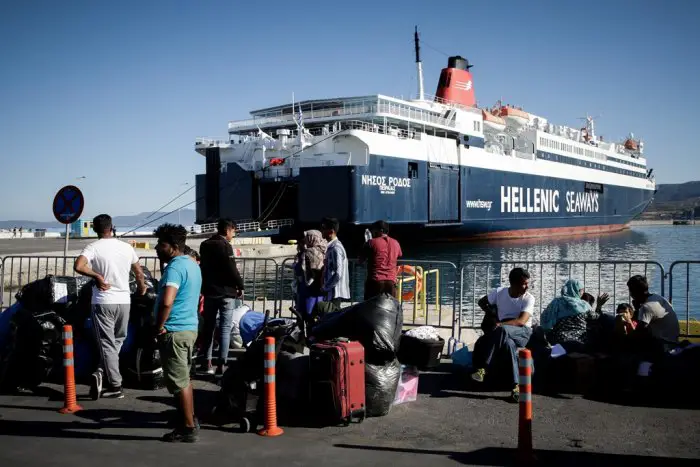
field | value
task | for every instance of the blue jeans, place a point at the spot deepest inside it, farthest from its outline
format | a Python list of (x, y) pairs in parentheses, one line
[(503, 339), (224, 308)]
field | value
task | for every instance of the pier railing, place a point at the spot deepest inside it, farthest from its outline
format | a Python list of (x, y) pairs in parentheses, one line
[(433, 293)]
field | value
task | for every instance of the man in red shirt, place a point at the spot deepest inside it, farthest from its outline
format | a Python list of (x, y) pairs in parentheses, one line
[(381, 253)]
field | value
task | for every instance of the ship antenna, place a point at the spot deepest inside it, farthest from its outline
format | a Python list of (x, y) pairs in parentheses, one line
[(419, 66)]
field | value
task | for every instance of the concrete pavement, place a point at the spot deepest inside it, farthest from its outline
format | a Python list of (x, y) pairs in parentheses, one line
[(448, 425)]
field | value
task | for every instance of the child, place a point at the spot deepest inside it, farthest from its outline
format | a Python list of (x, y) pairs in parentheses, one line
[(624, 324), (590, 299)]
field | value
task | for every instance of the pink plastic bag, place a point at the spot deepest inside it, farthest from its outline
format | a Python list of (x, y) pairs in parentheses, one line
[(407, 390)]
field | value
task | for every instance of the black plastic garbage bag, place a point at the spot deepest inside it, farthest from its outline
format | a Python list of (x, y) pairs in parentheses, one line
[(33, 351), (381, 382), (68, 296), (376, 323), (151, 282)]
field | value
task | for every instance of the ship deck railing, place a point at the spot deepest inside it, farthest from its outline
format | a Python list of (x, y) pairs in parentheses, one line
[(204, 141), (249, 225), (377, 107)]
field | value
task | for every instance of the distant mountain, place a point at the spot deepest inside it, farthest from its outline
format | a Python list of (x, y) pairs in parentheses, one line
[(674, 200), (184, 217)]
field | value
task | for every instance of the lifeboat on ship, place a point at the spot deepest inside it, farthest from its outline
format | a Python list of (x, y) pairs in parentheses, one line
[(631, 145), (493, 122), (513, 116)]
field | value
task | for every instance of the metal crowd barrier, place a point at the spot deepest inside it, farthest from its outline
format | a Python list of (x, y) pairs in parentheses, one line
[(433, 293), (433, 305), (678, 278), (547, 278), (260, 276)]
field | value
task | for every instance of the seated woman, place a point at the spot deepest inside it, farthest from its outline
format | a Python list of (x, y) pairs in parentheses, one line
[(566, 318)]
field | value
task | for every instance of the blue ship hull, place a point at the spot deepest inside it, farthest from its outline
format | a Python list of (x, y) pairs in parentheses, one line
[(430, 201)]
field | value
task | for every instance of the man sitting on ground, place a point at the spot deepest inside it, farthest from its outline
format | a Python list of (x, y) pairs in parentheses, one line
[(512, 327), (657, 327)]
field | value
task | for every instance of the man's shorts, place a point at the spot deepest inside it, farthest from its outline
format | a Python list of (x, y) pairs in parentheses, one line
[(176, 357)]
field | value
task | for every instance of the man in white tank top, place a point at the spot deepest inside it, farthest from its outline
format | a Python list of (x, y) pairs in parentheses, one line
[(511, 310), (108, 261)]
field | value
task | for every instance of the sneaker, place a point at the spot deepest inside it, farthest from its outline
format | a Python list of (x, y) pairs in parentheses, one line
[(515, 394), (219, 370), (479, 375), (95, 385), (209, 370), (176, 421), (113, 393), (182, 435)]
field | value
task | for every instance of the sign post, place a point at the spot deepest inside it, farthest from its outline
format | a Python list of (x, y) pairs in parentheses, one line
[(68, 205)]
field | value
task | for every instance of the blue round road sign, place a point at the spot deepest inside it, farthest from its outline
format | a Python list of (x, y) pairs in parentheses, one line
[(68, 204)]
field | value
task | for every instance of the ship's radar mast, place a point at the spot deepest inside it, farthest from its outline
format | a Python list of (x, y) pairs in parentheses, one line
[(419, 66)]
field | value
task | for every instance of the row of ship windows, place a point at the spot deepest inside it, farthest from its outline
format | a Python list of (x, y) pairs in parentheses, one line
[(548, 156), (548, 143), (620, 161)]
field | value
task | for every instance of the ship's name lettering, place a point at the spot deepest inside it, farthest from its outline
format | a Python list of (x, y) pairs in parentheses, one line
[(539, 200), (382, 180)]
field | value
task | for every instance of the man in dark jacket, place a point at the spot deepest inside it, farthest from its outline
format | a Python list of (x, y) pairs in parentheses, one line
[(222, 287)]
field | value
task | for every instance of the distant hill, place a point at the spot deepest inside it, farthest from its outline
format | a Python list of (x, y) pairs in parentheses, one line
[(184, 217), (674, 200), (671, 192)]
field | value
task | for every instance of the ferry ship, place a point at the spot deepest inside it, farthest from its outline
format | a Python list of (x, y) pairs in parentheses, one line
[(434, 167)]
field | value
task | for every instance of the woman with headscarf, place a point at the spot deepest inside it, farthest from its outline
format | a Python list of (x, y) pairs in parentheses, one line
[(310, 271), (565, 319)]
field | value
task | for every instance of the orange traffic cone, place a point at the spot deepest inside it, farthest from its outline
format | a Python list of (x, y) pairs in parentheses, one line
[(271, 428), (71, 402)]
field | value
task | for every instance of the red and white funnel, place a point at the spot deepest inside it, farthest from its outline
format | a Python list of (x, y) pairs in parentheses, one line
[(456, 84)]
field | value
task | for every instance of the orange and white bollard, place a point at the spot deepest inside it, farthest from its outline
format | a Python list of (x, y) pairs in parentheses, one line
[(271, 428), (525, 452), (71, 401)]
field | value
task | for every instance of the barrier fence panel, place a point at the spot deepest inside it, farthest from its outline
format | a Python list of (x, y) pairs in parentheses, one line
[(286, 289), (18, 271), (260, 276), (547, 278), (261, 280), (428, 292), (684, 298)]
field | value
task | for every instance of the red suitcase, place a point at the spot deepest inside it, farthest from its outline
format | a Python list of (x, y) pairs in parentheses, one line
[(337, 381)]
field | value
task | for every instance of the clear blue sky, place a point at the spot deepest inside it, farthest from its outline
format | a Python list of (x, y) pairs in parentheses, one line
[(118, 91)]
